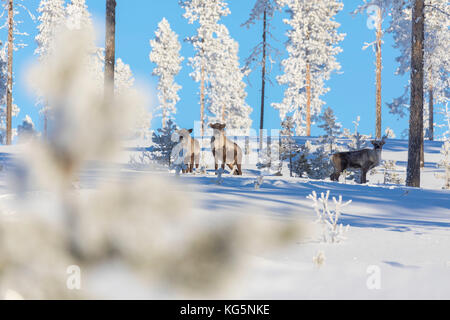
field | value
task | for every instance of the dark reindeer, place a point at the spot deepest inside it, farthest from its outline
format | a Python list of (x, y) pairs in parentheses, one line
[(225, 150), (365, 160)]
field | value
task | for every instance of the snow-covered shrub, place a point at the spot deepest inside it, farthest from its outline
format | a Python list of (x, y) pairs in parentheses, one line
[(445, 164), (328, 219), (269, 159), (389, 133), (259, 181), (319, 259)]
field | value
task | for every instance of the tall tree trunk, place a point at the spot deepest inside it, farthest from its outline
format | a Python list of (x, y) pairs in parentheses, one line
[(308, 100), (430, 109), (164, 120), (10, 72), (202, 101), (263, 81), (378, 76), (110, 47), (416, 108)]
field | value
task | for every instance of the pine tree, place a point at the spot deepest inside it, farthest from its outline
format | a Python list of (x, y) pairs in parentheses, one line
[(445, 163), (332, 129), (216, 65), (207, 13), (78, 16), (436, 59), (163, 144), (288, 146), (226, 90), (312, 49), (378, 9), (263, 10), (51, 18), (3, 96), (166, 55), (416, 109), (110, 47)]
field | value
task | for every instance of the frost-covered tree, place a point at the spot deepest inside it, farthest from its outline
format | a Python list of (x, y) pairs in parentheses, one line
[(263, 10), (110, 47), (378, 10), (78, 15), (207, 14), (11, 9), (332, 129), (216, 65), (357, 141), (312, 47), (445, 163), (436, 60), (288, 145), (166, 55), (51, 18), (163, 144), (226, 90), (26, 129)]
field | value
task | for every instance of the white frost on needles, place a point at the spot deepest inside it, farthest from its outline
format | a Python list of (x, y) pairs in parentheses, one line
[(332, 232), (166, 55)]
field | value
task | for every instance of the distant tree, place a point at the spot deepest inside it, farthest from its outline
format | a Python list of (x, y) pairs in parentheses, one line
[(26, 129), (110, 47), (332, 129), (78, 15), (436, 62), (166, 55), (163, 144), (216, 65), (357, 140), (263, 10), (312, 48), (207, 14), (379, 10), (51, 18), (445, 164), (226, 91), (288, 146), (3, 96)]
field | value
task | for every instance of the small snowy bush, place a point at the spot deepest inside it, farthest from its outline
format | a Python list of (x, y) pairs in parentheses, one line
[(445, 164), (332, 232)]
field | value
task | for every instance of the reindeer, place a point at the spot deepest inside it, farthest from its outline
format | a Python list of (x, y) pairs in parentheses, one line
[(365, 160), (225, 150), (192, 149)]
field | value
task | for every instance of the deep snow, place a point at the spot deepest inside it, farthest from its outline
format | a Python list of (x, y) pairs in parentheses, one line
[(401, 234)]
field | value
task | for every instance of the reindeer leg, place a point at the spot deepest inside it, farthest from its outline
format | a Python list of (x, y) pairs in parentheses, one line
[(363, 175), (224, 156), (191, 166), (239, 169)]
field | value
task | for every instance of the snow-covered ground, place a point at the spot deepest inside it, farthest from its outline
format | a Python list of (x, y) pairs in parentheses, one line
[(397, 246)]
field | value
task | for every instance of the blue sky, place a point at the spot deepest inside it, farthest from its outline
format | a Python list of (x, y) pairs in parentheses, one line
[(352, 91)]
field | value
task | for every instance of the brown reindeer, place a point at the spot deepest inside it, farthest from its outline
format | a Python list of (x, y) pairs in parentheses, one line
[(365, 160), (225, 150), (192, 147)]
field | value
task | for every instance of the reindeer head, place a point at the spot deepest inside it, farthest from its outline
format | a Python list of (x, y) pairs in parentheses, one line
[(184, 134), (218, 128), (378, 145)]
